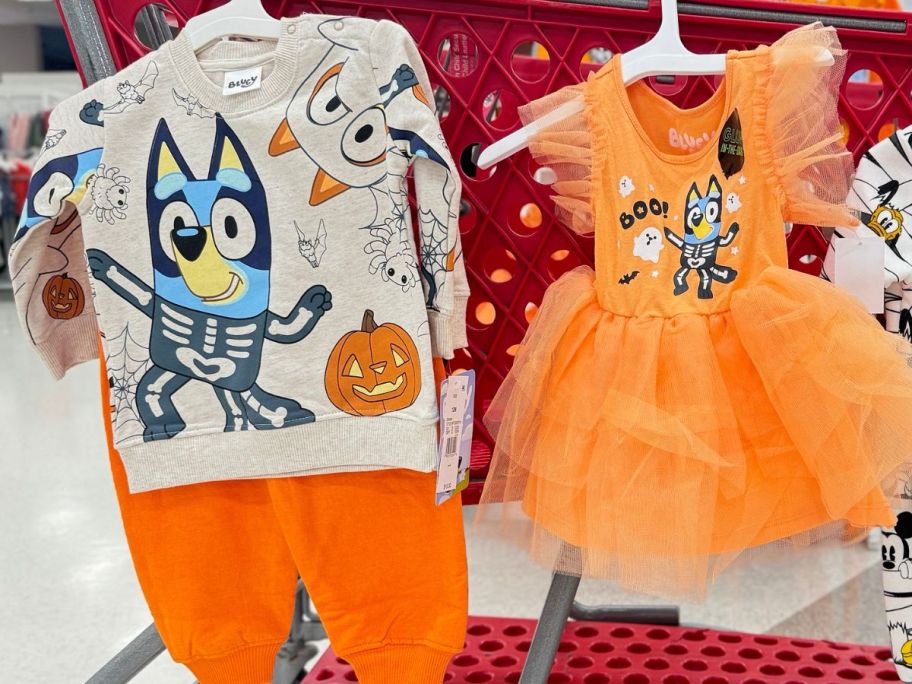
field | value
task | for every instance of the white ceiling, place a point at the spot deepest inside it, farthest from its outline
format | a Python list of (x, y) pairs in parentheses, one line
[(28, 12)]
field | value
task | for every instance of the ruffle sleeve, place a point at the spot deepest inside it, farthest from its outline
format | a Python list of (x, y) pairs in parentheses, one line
[(565, 148), (802, 136)]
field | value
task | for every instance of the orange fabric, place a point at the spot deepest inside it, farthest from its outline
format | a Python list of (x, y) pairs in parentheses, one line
[(218, 563), (654, 426)]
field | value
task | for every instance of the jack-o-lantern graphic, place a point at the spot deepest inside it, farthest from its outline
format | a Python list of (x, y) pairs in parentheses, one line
[(373, 370), (63, 297)]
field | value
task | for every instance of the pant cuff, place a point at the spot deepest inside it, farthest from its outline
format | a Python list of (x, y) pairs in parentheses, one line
[(400, 664), (250, 665)]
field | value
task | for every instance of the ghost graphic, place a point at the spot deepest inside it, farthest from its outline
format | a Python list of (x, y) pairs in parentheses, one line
[(732, 202), (648, 244), (625, 186)]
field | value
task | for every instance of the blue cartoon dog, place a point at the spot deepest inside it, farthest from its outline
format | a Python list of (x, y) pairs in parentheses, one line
[(209, 304)]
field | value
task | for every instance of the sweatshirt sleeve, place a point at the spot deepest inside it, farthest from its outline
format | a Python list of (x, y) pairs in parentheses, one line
[(414, 132), (47, 256)]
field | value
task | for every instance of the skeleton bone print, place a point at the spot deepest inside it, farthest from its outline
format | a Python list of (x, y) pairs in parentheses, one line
[(701, 241), (209, 299)]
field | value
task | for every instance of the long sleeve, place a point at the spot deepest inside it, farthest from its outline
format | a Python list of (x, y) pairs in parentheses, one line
[(47, 258), (414, 133)]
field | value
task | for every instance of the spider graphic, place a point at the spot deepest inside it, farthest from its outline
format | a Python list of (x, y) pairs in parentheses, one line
[(391, 247), (392, 254), (109, 191)]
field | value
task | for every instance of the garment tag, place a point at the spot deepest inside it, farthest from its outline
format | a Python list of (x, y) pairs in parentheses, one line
[(731, 146), (457, 413), (858, 266), (242, 81)]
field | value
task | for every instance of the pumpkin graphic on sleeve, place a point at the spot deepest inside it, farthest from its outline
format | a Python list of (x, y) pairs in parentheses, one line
[(373, 370), (63, 297)]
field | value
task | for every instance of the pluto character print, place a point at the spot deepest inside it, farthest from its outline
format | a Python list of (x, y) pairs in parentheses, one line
[(882, 193), (209, 302), (881, 198), (701, 242), (896, 568)]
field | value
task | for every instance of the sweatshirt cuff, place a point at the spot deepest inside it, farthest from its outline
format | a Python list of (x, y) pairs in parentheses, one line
[(70, 346), (448, 331)]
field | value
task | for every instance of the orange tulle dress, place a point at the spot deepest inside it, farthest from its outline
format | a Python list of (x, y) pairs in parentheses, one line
[(693, 398)]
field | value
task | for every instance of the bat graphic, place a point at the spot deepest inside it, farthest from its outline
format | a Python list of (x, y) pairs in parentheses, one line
[(134, 93), (93, 112), (312, 249), (192, 106), (628, 278)]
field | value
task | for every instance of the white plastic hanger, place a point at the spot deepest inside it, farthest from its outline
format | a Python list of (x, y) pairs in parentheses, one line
[(235, 18), (663, 54)]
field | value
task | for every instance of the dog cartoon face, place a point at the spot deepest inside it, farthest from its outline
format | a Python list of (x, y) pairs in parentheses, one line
[(210, 236), (62, 179), (886, 221), (339, 124), (703, 217)]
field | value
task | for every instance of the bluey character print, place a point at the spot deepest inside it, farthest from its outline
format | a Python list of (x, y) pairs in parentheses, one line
[(64, 179), (209, 302), (702, 240)]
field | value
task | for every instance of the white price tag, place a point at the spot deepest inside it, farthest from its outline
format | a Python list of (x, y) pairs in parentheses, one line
[(457, 398), (858, 266)]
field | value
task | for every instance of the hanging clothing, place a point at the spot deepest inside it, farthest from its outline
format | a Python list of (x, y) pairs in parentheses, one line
[(218, 561), (264, 306), (881, 199), (36, 131), (17, 131), (693, 398)]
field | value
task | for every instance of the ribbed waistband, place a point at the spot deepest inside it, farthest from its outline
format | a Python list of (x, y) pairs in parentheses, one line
[(328, 446)]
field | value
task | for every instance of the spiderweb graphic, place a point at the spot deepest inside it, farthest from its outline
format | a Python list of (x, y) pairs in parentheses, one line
[(127, 361), (436, 259)]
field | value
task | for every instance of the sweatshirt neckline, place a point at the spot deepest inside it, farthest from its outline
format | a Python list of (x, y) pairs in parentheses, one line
[(280, 80)]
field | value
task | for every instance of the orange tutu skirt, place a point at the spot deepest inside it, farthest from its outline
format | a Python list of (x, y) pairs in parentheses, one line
[(653, 451)]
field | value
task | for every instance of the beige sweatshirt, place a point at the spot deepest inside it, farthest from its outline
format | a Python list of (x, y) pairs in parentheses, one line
[(252, 263)]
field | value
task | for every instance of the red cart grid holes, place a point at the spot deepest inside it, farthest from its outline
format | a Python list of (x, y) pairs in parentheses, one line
[(600, 656)]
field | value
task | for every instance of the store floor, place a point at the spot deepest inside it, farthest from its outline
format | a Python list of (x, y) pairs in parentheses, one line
[(70, 599)]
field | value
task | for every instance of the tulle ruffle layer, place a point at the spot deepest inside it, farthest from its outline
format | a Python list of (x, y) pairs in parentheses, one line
[(797, 132), (653, 451), (796, 101)]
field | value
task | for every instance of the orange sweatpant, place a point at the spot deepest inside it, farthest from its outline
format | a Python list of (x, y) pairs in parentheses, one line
[(218, 563)]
